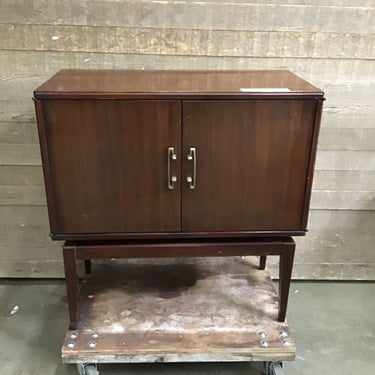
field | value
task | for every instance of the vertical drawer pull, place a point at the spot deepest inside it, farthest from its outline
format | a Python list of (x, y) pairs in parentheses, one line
[(171, 179), (192, 156)]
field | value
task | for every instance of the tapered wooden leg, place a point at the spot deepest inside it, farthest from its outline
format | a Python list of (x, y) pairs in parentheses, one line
[(262, 262), (286, 266), (72, 284), (88, 266)]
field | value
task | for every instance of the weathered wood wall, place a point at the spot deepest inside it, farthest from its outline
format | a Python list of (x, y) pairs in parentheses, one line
[(330, 43)]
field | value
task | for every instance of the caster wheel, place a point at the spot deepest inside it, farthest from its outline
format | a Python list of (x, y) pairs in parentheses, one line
[(87, 369), (274, 368)]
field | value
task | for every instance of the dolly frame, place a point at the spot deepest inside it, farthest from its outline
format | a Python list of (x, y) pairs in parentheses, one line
[(268, 368)]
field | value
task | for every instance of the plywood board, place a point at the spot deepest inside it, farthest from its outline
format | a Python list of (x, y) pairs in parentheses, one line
[(169, 310), (245, 15), (197, 42), (330, 43), (20, 154), (22, 195), (348, 116), (359, 139), (345, 160), (17, 109), (21, 175), (350, 94), (339, 200), (344, 180), (18, 64), (18, 132)]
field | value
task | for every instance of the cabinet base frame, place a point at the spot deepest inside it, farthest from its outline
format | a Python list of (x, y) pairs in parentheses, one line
[(282, 247)]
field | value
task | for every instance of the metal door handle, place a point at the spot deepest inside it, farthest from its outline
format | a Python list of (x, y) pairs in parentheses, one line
[(171, 179), (192, 156)]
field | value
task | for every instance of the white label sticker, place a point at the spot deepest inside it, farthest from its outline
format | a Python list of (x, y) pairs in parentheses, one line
[(270, 89)]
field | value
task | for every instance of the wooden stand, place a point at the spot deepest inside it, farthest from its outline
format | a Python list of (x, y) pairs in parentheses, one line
[(282, 247), (176, 309)]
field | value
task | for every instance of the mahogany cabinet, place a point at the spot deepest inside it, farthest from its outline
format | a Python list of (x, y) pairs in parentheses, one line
[(177, 156), (124, 159)]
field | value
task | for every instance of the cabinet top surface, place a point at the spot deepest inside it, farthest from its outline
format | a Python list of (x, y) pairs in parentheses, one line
[(171, 83)]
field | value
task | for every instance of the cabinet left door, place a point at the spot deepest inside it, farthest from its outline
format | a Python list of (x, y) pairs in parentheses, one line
[(108, 165)]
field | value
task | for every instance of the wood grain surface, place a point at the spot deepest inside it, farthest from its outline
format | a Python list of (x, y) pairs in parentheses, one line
[(105, 175), (252, 157)]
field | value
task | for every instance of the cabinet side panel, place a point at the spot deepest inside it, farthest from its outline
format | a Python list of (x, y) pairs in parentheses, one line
[(108, 162), (313, 150), (252, 159), (45, 162)]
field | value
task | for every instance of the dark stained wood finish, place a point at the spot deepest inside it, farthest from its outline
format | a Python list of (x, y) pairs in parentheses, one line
[(45, 161), (174, 235), (87, 266), (172, 248), (312, 153), (108, 165), (169, 84), (105, 160), (252, 160), (72, 283), (285, 275), (262, 262)]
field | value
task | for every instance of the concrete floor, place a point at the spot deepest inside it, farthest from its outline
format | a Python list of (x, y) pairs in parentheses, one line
[(333, 324)]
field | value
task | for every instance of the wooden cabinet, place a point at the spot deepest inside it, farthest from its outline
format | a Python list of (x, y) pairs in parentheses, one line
[(110, 153), (178, 156)]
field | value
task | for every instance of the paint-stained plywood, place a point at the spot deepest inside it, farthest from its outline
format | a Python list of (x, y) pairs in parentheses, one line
[(20, 175), (18, 132), (170, 310), (20, 154), (346, 180), (329, 43), (199, 42), (211, 14), (360, 139), (45, 63)]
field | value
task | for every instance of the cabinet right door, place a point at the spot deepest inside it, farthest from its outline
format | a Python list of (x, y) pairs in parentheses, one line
[(251, 162)]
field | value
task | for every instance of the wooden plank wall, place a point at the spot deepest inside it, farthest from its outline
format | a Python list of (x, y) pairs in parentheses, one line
[(330, 43)]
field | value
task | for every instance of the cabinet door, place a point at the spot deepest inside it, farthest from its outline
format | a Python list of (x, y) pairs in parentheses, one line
[(108, 165), (251, 164)]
